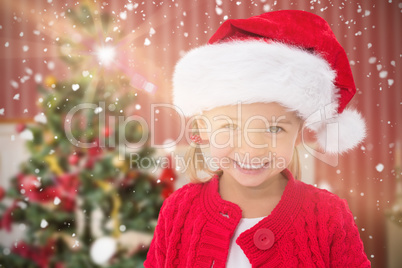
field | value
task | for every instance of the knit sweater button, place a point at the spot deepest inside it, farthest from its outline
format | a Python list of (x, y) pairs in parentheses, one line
[(264, 238)]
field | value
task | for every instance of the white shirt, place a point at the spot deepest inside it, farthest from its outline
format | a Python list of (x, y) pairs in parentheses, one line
[(236, 257)]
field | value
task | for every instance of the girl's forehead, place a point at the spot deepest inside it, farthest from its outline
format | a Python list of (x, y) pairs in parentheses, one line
[(250, 109)]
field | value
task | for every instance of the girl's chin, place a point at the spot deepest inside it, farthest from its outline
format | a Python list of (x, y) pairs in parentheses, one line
[(250, 180)]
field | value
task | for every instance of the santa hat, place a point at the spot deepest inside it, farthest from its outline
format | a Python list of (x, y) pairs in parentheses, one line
[(290, 57)]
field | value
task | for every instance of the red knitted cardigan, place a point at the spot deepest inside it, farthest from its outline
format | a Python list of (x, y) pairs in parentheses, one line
[(311, 227)]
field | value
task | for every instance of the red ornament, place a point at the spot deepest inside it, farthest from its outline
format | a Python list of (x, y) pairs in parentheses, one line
[(167, 178), (95, 150), (20, 127), (2, 193), (68, 189), (41, 255), (7, 217), (90, 163), (106, 132), (28, 183), (73, 159)]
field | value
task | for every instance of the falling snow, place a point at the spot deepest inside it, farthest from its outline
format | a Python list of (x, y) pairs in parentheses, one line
[(123, 15), (14, 84), (38, 78), (372, 60), (44, 223), (383, 74), (56, 201), (51, 65), (40, 118), (147, 42), (379, 167), (98, 110), (26, 134)]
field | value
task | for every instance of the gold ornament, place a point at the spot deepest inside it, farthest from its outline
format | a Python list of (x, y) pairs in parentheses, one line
[(50, 81), (118, 163), (107, 187), (133, 240), (48, 137), (54, 165)]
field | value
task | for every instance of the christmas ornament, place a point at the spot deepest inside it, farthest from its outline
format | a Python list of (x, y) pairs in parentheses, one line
[(40, 118), (167, 178), (28, 183), (48, 137), (103, 249), (54, 164), (50, 81), (73, 159), (133, 241), (27, 135), (67, 189), (95, 149), (106, 132), (2, 193), (7, 217), (40, 255), (108, 188), (20, 127), (117, 163), (89, 164), (130, 177)]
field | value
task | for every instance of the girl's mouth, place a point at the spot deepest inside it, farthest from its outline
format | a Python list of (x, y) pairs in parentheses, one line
[(250, 168)]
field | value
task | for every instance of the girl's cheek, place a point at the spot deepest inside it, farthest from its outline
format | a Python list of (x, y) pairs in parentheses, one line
[(285, 154), (222, 140)]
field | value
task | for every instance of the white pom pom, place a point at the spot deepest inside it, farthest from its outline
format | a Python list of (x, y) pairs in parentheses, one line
[(342, 133), (102, 249)]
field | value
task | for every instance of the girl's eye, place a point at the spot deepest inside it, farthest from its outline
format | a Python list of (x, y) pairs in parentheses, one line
[(274, 129), (230, 126)]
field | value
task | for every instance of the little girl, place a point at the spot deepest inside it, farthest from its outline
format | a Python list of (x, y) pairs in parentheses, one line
[(252, 89)]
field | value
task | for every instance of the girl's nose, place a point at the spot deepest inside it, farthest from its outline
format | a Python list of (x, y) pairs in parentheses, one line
[(253, 143)]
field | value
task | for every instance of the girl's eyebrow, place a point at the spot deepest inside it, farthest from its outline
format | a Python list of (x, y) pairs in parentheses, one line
[(281, 122), (224, 117), (234, 119)]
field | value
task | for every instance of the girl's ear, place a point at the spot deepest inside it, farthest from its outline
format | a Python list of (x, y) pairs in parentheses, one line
[(299, 134)]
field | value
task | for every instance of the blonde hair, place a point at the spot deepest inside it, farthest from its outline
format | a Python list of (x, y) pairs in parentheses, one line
[(196, 164)]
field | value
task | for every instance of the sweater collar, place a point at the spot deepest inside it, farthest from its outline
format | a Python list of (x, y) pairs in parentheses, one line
[(228, 214)]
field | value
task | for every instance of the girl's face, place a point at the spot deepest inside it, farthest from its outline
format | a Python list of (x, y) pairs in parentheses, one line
[(251, 143)]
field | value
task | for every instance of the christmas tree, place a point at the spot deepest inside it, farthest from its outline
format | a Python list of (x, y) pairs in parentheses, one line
[(83, 201)]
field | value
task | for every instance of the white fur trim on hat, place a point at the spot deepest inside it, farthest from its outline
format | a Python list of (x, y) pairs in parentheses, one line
[(252, 71), (347, 131)]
